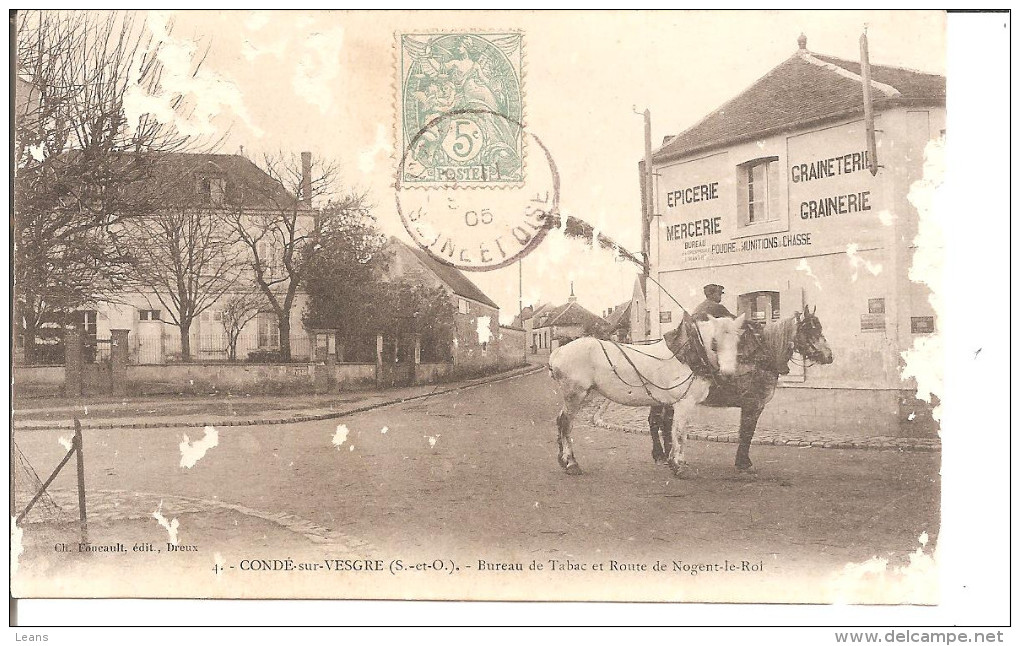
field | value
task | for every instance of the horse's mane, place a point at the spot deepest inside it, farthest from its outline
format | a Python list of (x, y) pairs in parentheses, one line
[(778, 340)]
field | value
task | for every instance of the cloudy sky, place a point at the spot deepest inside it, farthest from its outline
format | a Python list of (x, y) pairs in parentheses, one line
[(325, 82)]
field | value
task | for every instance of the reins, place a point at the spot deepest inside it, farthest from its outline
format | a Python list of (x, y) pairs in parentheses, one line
[(644, 381), (701, 342)]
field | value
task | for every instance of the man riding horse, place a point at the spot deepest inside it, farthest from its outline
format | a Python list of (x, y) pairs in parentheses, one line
[(712, 305), (764, 353), (660, 418)]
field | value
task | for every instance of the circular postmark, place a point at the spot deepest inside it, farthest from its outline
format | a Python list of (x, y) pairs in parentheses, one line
[(458, 206)]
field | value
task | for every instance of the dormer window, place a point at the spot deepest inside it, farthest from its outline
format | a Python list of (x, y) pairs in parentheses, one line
[(211, 189)]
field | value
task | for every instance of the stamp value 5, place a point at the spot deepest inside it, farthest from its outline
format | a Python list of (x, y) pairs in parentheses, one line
[(460, 109)]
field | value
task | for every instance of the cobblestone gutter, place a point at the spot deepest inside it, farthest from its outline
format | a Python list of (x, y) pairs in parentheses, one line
[(635, 420)]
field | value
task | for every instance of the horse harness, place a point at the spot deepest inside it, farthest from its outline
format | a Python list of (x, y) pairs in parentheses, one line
[(690, 352)]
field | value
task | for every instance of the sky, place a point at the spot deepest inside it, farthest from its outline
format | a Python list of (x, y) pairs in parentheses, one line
[(326, 82)]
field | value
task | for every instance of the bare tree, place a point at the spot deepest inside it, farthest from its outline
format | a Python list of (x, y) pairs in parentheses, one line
[(184, 256), (238, 310), (82, 163), (281, 239)]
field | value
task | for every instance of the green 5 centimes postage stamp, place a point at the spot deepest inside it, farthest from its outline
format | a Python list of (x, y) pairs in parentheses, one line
[(461, 105)]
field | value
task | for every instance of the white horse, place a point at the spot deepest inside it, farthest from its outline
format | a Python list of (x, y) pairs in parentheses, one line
[(664, 372)]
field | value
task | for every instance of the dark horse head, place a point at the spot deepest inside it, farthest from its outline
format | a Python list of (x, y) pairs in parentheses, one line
[(771, 347), (809, 341)]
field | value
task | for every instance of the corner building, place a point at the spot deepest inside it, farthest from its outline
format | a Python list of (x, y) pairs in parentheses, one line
[(772, 197)]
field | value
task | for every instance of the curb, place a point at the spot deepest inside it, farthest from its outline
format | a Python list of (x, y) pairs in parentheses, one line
[(874, 444), (294, 419)]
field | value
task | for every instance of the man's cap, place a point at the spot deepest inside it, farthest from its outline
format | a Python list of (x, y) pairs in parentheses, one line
[(711, 287)]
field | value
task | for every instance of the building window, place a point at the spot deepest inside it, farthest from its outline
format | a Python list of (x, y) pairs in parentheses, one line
[(269, 257), (87, 323), (148, 315), (462, 306), (210, 190), (762, 307), (876, 306), (758, 191), (268, 330), (665, 317), (922, 324)]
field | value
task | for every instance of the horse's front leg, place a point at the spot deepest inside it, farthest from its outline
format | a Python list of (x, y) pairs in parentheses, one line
[(682, 411), (749, 414), (753, 400), (658, 418)]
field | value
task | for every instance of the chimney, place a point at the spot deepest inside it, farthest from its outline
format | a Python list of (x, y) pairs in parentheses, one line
[(572, 299), (306, 178), (802, 42)]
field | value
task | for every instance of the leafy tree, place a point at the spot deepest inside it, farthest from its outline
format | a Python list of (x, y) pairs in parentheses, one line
[(343, 279), (351, 291), (420, 309), (282, 241), (596, 328)]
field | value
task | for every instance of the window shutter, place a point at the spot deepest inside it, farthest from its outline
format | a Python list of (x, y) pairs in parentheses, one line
[(773, 191), (743, 217)]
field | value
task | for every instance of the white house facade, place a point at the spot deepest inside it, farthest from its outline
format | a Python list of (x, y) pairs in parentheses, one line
[(772, 196)]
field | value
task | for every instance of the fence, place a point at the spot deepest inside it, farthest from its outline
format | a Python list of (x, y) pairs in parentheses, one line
[(155, 349), (164, 347)]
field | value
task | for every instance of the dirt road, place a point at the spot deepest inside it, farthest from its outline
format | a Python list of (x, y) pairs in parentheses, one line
[(465, 486)]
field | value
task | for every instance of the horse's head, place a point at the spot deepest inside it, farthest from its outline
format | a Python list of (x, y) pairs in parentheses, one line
[(809, 341), (722, 339)]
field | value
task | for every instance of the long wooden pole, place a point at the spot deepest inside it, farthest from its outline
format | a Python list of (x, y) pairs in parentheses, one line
[(646, 217), (869, 112), (83, 517)]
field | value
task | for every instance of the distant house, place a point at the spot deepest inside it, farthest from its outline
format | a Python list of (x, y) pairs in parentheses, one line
[(618, 322), (211, 184), (640, 317), (478, 334), (551, 326)]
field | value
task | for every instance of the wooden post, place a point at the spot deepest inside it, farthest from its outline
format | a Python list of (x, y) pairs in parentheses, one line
[(73, 362), (118, 361), (869, 111), (649, 213), (83, 517)]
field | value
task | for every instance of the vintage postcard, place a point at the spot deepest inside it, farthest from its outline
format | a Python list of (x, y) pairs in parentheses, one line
[(513, 306)]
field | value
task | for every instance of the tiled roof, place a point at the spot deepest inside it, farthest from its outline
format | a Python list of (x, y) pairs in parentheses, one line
[(528, 313), (451, 276), (804, 89), (619, 316), (246, 183), (569, 314)]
